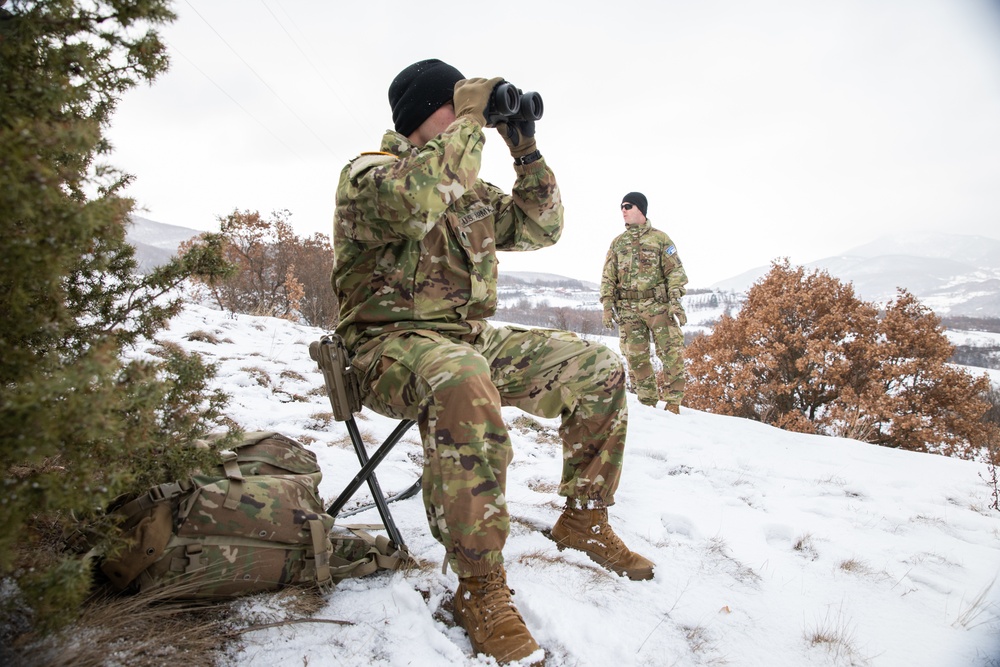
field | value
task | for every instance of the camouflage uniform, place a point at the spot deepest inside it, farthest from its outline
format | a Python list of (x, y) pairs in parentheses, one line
[(644, 279), (416, 234)]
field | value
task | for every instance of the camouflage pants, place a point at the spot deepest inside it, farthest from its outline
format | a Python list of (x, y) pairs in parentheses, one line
[(454, 389), (637, 327)]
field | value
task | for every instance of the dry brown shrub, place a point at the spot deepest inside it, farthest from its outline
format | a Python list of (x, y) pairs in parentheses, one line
[(806, 354), (278, 274)]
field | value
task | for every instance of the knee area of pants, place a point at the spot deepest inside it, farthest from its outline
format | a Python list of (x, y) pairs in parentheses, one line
[(616, 369), (474, 392)]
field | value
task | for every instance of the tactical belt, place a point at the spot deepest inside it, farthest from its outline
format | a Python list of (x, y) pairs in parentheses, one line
[(635, 295)]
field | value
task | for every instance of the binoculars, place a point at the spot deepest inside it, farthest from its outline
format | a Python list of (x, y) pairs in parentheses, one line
[(508, 103)]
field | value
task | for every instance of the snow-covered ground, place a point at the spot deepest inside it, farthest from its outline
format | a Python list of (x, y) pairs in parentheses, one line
[(702, 309), (773, 549), (983, 339), (973, 338), (555, 297)]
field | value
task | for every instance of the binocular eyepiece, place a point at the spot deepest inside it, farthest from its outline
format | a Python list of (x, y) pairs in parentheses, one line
[(508, 103)]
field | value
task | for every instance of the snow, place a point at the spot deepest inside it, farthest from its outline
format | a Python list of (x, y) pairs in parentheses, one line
[(772, 548), (546, 296), (973, 338), (953, 274)]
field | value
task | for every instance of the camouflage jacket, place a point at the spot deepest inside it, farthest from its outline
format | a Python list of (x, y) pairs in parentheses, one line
[(416, 234), (641, 259)]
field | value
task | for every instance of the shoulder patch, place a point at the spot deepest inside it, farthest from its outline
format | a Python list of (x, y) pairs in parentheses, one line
[(369, 160), (671, 250)]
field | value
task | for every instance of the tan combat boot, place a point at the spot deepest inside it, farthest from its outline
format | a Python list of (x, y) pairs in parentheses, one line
[(484, 608), (588, 531), (672, 407)]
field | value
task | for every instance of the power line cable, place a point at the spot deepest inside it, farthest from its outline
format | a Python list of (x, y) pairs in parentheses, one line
[(312, 64), (280, 99), (234, 100)]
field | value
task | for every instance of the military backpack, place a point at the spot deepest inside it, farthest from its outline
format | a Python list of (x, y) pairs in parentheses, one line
[(255, 523)]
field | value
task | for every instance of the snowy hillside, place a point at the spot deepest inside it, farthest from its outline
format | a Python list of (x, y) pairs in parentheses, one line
[(773, 549), (155, 243), (952, 274), (539, 278)]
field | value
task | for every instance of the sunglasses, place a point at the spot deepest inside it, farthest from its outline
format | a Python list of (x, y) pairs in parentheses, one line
[(627, 207)]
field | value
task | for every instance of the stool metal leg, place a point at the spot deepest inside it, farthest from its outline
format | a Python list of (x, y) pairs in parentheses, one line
[(367, 473)]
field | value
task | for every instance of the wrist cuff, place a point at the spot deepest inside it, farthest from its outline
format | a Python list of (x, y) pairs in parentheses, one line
[(529, 158)]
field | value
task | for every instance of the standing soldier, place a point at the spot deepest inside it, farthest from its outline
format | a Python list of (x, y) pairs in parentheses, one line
[(641, 290), (416, 234)]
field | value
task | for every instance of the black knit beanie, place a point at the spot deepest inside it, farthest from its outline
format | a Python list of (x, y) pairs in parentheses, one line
[(638, 199), (420, 90)]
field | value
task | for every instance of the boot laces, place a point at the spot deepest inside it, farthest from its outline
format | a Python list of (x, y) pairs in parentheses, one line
[(609, 537), (497, 606)]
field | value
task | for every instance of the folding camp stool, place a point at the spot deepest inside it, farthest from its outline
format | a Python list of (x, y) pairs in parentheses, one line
[(344, 390)]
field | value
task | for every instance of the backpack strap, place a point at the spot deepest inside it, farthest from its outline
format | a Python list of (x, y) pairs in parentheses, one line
[(381, 554), (189, 560), (231, 467), (321, 551), (133, 510)]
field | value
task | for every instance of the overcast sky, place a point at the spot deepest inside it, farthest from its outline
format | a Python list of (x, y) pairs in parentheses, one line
[(756, 128)]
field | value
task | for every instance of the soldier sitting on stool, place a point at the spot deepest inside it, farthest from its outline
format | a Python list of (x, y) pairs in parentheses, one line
[(416, 235)]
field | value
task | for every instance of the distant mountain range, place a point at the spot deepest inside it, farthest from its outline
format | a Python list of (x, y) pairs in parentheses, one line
[(545, 280), (155, 242), (952, 274)]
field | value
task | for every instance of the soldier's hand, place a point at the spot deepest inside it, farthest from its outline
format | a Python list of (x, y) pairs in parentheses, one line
[(674, 294), (609, 318), (472, 97), (677, 310), (519, 136)]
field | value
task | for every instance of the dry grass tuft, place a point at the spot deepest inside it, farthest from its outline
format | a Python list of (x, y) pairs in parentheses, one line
[(154, 629), (596, 574), (542, 433), (541, 556), (203, 337), (543, 486), (856, 566), (320, 420), (805, 546), (343, 442), (978, 610), (258, 374), (836, 636), (700, 643), (139, 631), (718, 548)]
